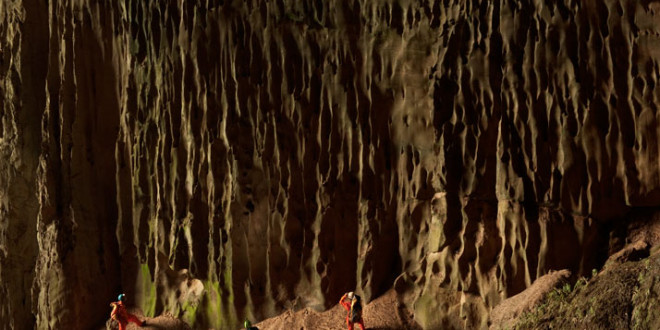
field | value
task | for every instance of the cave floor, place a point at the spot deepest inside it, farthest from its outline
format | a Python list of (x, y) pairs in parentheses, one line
[(383, 313)]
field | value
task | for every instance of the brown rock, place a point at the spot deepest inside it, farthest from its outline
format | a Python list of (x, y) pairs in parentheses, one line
[(506, 313)]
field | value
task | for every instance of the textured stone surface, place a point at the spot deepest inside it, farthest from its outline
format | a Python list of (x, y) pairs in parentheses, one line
[(237, 158), (508, 311)]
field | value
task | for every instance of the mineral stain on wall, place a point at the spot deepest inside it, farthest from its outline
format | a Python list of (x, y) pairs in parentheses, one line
[(228, 159)]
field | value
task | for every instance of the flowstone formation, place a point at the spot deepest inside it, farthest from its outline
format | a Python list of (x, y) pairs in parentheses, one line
[(219, 160)]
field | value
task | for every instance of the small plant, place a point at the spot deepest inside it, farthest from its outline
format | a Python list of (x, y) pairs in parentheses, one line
[(556, 300), (566, 289), (581, 282)]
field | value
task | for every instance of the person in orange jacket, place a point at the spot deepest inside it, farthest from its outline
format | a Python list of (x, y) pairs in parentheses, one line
[(122, 316), (353, 305)]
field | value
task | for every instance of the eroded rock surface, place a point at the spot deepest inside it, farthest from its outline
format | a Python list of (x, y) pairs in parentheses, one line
[(507, 312), (226, 159)]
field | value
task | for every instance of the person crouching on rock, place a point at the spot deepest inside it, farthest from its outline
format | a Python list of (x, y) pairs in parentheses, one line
[(353, 305), (122, 316)]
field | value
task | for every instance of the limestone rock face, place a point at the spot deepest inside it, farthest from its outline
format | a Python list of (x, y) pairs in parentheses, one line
[(227, 159)]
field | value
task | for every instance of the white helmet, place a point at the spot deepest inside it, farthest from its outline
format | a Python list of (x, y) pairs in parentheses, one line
[(350, 295)]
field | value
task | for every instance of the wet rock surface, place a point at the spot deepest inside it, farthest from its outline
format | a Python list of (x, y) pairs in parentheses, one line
[(222, 160)]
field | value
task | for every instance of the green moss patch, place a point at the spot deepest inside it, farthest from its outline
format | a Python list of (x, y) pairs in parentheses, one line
[(622, 297)]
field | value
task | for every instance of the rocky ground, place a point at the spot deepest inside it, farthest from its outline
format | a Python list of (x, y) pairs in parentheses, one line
[(162, 322), (624, 294), (384, 313)]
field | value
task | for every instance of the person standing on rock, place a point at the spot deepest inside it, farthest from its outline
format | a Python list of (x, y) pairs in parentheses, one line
[(353, 305), (122, 316)]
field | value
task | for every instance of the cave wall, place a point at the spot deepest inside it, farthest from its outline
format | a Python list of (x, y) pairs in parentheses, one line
[(228, 159)]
